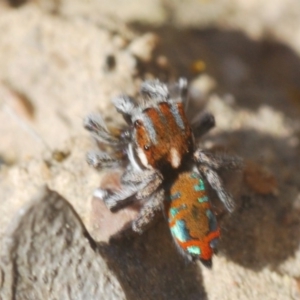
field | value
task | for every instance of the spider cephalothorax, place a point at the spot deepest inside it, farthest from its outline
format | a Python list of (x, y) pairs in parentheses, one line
[(162, 165)]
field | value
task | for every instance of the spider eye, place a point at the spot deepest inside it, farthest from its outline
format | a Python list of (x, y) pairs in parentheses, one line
[(125, 134), (137, 123), (147, 147)]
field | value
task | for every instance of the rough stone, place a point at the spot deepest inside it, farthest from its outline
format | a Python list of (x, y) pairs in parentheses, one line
[(60, 60)]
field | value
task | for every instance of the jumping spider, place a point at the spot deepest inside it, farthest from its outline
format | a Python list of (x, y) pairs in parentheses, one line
[(157, 150)]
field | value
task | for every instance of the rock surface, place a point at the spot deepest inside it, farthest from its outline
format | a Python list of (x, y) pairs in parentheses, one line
[(49, 255), (60, 60)]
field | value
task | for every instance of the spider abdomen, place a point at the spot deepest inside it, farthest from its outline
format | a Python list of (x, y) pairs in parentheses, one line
[(192, 223)]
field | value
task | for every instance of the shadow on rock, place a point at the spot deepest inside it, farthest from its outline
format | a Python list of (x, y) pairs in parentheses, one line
[(48, 254), (264, 229), (149, 267), (255, 72)]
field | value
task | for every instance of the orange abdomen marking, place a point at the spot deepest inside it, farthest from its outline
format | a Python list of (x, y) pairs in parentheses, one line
[(193, 225)]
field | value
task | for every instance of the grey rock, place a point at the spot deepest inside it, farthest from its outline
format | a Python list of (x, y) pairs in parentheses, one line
[(48, 254)]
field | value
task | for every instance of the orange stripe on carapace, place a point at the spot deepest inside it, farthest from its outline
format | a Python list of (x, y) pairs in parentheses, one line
[(173, 138), (179, 137), (142, 137), (171, 142), (158, 149)]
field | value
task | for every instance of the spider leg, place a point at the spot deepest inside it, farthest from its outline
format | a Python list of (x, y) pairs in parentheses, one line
[(117, 199), (218, 161), (135, 186), (151, 187), (183, 88), (95, 124), (125, 106), (179, 91), (155, 89), (202, 123), (149, 211), (100, 160), (151, 178), (216, 183), (133, 176)]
